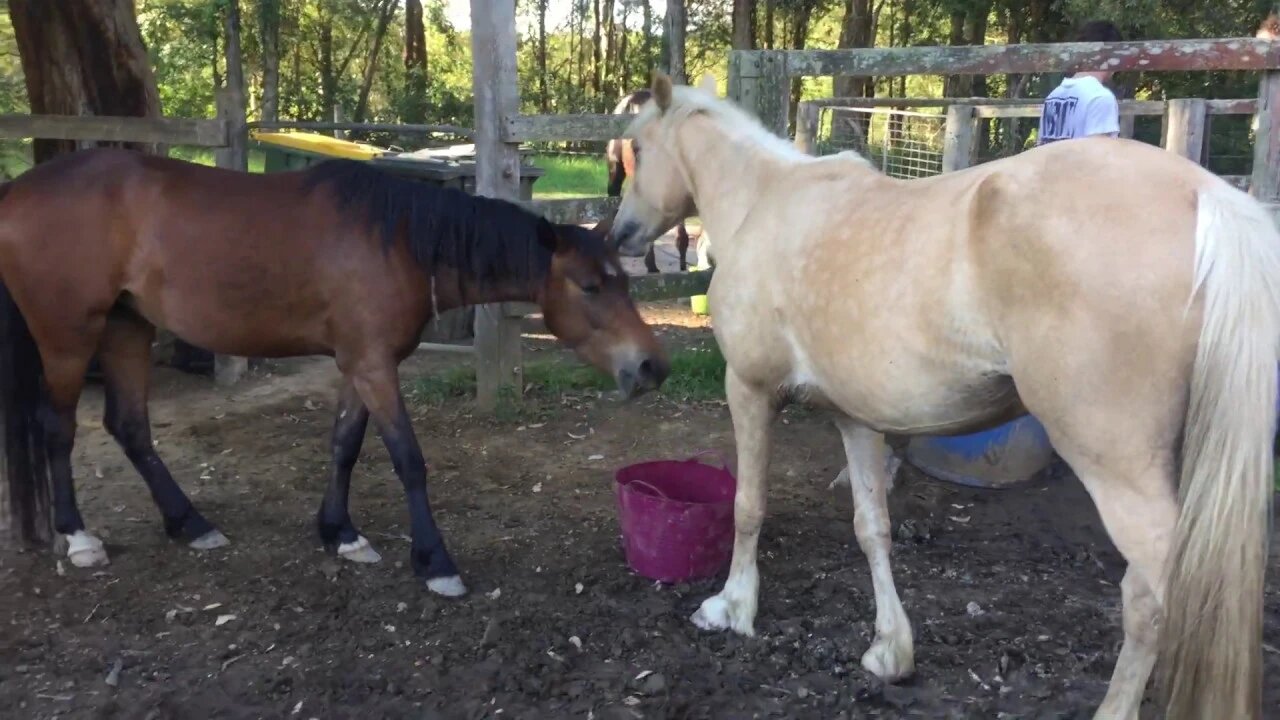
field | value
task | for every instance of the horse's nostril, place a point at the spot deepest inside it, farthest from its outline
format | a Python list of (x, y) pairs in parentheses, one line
[(646, 369)]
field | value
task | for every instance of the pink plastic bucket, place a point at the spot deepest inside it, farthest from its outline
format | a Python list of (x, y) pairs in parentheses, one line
[(676, 518)]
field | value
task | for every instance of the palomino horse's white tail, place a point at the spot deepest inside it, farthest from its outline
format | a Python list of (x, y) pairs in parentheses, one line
[(1212, 635)]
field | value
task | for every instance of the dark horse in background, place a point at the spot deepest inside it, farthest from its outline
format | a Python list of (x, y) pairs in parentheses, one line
[(621, 154), (101, 247)]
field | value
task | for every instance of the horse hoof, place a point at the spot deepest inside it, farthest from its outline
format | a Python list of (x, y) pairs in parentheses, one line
[(359, 551), (210, 541), (889, 660), (447, 586), (717, 613), (85, 550)]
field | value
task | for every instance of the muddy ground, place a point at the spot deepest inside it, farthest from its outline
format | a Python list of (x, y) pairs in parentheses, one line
[(555, 625)]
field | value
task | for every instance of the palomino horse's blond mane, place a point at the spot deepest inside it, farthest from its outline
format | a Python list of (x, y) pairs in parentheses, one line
[(1041, 283)]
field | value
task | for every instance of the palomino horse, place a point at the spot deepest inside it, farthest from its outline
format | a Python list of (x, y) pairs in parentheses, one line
[(99, 248), (621, 154), (1126, 297)]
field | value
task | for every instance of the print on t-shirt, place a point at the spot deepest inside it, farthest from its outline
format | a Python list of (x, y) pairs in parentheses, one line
[(1057, 111)]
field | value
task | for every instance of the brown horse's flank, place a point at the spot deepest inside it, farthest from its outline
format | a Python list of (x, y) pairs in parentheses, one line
[(99, 248)]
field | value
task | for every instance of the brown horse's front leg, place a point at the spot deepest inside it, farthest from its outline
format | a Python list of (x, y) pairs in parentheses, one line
[(337, 532), (682, 246), (379, 386)]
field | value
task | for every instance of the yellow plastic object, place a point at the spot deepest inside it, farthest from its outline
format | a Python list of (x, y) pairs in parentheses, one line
[(319, 144)]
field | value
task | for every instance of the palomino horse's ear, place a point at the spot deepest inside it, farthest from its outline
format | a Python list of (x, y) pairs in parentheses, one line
[(661, 90), (708, 84)]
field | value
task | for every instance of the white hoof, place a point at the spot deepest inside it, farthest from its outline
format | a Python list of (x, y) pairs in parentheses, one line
[(209, 541), (359, 551), (85, 550), (890, 660), (719, 613), (447, 586)]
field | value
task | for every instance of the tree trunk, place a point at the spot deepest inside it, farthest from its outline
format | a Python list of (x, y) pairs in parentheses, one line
[(648, 42), (799, 35), (328, 75), (415, 62), (269, 30), (855, 32), (543, 95), (744, 24), (83, 57), (675, 39), (595, 51), (386, 12), (236, 154), (769, 10), (610, 54), (623, 84)]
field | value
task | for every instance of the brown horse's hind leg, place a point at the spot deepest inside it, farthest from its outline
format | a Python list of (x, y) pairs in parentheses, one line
[(682, 245), (379, 385), (64, 371), (337, 532), (125, 355)]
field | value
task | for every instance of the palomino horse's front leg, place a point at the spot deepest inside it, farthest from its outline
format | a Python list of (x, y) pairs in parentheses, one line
[(891, 656), (379, 385), (337, 532), (753, 413)]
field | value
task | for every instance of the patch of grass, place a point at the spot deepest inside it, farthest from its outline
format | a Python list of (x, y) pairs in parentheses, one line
[(697, 375), (570, 176), (204, 156)]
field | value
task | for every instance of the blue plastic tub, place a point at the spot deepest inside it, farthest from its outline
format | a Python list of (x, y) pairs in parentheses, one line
[(1002, 456)]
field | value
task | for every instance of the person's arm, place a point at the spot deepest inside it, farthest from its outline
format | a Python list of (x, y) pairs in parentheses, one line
[(1102, 116)]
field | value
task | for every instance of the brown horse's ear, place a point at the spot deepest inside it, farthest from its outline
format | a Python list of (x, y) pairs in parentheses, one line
[(604, 228), (549, 236), (661, 90)]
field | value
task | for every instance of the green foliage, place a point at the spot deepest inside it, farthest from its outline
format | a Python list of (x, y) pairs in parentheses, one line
[(570, 176)]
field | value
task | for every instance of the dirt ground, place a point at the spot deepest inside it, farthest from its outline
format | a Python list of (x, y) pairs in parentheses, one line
[(555, 625)]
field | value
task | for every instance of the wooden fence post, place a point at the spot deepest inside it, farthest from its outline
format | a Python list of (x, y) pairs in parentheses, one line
[(1265, 182), (1185, 127), (957, 145), (807, 118), (228, 369), (497, 97), (758, 82)]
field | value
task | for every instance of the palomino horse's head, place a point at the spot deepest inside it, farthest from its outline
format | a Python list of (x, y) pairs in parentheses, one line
[(586, 303), (661, 192)]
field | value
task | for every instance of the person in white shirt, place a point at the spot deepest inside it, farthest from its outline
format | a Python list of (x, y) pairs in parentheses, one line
[(1083, 105)]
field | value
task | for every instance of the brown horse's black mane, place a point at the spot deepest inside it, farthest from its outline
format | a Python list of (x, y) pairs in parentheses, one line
[(483, 239)]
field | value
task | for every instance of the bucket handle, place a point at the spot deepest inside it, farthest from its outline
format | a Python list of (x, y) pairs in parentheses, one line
[(651, 487), (714, 454)]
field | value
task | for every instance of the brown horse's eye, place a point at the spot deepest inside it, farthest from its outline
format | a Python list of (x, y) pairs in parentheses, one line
[(591, 288)]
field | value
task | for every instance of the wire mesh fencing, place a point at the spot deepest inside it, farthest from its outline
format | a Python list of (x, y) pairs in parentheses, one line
[(902, 143)]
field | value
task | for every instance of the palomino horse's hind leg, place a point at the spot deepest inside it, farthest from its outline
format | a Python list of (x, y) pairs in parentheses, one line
[(753, 413), (337, 532), (379, 385), (125, 353), (1139, 509), (891, 656)]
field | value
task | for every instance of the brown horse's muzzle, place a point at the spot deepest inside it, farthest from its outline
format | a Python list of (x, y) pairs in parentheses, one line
[(641, 374)]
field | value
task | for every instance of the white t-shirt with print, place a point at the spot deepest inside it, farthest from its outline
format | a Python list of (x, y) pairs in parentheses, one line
[(1079, 107)]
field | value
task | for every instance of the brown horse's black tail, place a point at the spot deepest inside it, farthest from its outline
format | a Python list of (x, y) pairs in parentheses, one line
[(26, 466)]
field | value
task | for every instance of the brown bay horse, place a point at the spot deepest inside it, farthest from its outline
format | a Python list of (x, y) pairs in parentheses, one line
[(100, 248), (621, 154)]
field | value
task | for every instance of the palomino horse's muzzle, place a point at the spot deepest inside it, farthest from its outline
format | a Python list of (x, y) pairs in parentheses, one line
[(628, 239)]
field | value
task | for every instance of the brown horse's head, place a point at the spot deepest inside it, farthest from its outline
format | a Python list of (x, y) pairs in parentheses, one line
[(586, 303)]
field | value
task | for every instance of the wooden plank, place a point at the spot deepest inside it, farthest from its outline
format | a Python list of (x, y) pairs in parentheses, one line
[(1265, 184), (670, 286), (986, 106), (957, 143), (398, 128), (1238, 106), (1147, 55), (808, 116), (758, 82), (1184, 131), (553, 128), (446, 348), (229, 369), (576, 210), (496, 97), (1033, 109), (164, 131)]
